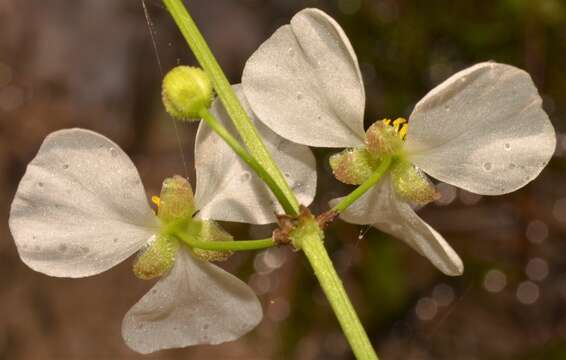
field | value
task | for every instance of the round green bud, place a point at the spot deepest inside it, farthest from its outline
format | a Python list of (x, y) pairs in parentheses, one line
[(186, 91)]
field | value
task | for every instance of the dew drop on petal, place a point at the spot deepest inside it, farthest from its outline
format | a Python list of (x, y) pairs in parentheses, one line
[(291, 52), (62, 247), (65, 166), (512, 166), (487, 166), (205, 327), (246, 176), (40, 184), (113, 152), (300, 95), (507, 146)]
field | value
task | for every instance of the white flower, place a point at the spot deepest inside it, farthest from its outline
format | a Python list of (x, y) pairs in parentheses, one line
[(81, 208), (482, 130)]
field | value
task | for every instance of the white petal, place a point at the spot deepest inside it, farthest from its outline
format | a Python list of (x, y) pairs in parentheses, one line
[(483, 130), (196, 303), (305, 83), (228, 190), (382, 208), (80, 207)]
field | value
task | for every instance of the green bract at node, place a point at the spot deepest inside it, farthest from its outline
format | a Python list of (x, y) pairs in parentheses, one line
[(186, 91)]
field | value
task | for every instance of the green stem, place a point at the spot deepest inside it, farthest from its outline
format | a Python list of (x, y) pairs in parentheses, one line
[(217, 127), (238, 245), (364, 187), (242, 122), (312, 245)]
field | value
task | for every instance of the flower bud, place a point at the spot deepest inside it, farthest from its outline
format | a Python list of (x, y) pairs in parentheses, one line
[(207, 230), (412, 185), (383, 139), (353, 166), (157, 258), (186, 91), (176, 200)]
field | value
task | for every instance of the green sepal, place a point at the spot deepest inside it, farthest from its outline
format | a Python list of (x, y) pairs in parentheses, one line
[(176, 203), (353, 166), (411, 184), (157, 258), (208, 230)]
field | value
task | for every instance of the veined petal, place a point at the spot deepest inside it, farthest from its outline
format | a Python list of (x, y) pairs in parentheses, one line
[(196, 303), (304, 82), (382, 208), (226, 187), (483, 130), (80, 207)]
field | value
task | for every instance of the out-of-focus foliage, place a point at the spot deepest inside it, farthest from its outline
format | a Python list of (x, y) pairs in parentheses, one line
[(91, 64)]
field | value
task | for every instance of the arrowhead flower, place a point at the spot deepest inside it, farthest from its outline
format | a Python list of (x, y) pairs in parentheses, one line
[(81, 209), (482, 130)]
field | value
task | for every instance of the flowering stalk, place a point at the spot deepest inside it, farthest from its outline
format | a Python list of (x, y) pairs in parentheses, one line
[(241, 120), (308, 235), (309, 238)]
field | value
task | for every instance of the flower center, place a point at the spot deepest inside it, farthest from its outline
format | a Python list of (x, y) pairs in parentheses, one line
[(400, 125), (156, 200)]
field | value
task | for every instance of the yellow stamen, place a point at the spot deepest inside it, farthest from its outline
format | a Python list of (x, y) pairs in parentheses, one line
[(156, 200), (401, 125)]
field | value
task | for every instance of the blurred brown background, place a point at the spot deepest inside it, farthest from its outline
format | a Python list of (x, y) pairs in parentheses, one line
[(91, 64)]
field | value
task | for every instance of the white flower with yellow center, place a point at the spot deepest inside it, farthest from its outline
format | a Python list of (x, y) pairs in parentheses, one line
[(81, 209), (482, 130)]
